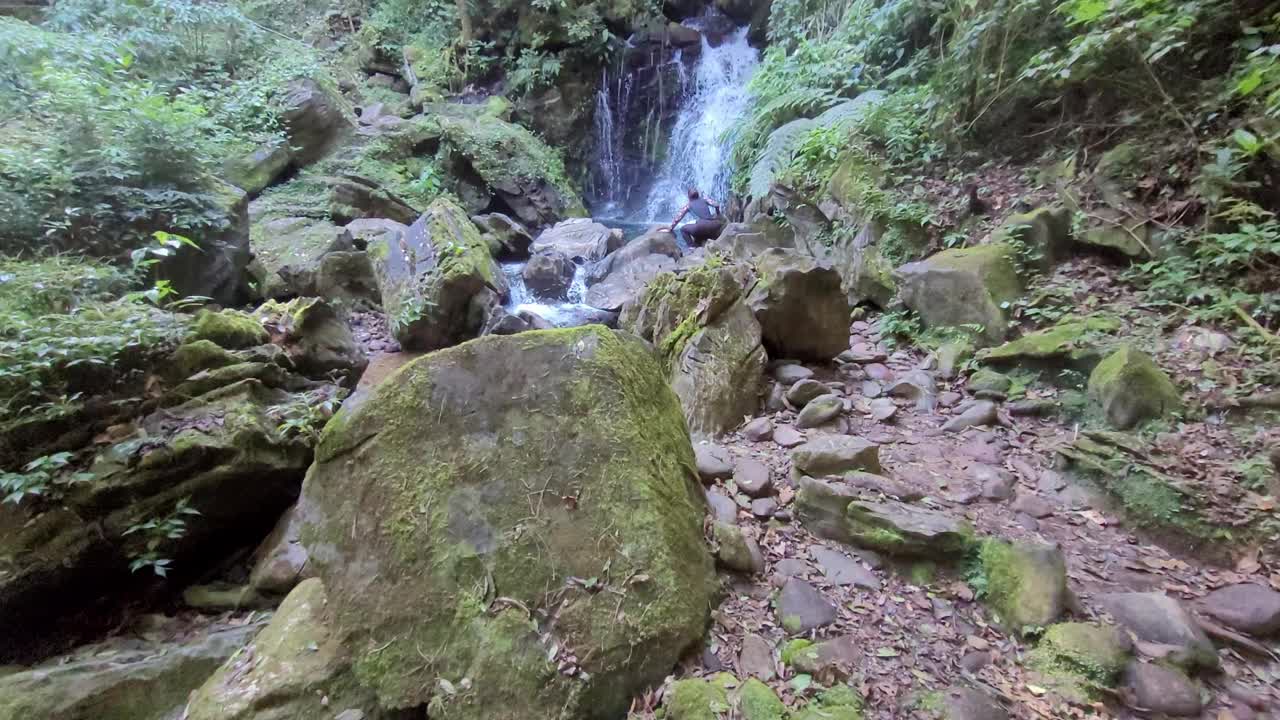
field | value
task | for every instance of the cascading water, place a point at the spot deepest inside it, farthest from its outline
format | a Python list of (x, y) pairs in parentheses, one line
[(697, 154), (558, 312), (607, 142)]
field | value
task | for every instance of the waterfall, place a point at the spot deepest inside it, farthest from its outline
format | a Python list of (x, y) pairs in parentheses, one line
[(607, 142), (697, 153)]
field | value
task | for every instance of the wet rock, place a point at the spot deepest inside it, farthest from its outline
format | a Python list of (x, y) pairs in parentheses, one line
[(836, 454), (548, 274), (840, 569), (223, 597), (802, 608), (800, 305), (508, 239), (756, 659), (787, 436), (714, 462), (735, 550), (1031, 505), (630, 441), (1026, 583), (758, 430), (752, 477), (1247, 607), (981, 412), (627, 282), (968, 286), (1159, 619), (723, 508), (790, 374), (580, 239), (805, 391), (1130, 388), (1162, 690), (820, 411)]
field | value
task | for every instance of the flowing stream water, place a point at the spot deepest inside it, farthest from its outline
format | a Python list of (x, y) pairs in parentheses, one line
[(712, 99)]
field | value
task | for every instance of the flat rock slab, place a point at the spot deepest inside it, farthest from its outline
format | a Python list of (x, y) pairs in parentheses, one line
[(841, 569), (1032, 505), (713, 461), (802, 608), (803, 392), (1159, 619), (835, 455), (883, 409), (981, 412), (1247, 607), (897, 528), (764, 508)]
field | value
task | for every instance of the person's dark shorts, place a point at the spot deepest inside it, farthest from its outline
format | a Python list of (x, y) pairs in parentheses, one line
[(701, 231)]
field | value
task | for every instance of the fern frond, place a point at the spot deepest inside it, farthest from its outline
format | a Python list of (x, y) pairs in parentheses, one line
[(747, 137), (776, 155), (846, 116)]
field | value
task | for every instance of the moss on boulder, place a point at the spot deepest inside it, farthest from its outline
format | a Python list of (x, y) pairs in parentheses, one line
[(838, 703), (1076, 659), (1026, 583), (229, 329), (441, 518), (990, 381), (1129, 388), (1073, 342), (439, 281), (1042, 235), (198, 356), (969, 287)]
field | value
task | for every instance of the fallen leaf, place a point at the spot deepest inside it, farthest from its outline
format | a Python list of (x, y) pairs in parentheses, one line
[(1036, 690)]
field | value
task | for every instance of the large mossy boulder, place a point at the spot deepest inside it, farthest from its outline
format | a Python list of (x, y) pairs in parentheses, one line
[(439, 282), (1026, 583), (126, 678), (316, 338), (1073, 342), (471, 515), (802, 308), (290, 250), (965, 287), (295, 668), (1044, 234), (314, 120), (1129, 388), (229, 329), (1078, 661), (224, 454), (710, 341), (580, 239)]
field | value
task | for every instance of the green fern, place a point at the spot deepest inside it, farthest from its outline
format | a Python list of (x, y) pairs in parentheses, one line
[(776, 155), (848, 115), (748, 137)]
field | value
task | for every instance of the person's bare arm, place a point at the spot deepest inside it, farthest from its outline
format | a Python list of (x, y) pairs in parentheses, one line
[(683, 211)]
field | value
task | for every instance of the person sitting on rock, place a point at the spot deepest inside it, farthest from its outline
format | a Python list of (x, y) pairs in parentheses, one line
[(707, 222)]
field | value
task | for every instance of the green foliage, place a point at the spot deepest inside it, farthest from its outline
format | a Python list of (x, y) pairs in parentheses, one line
[(45, 477), (157, 533), (305, 416)]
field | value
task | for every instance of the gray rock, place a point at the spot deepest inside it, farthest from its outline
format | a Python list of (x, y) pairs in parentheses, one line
[(981, 412), (313, 120), (805, 391), (918, 387), (508, 239), (820, 411), (871, 389), (580, 239), (974, 661), (836, 454), (997, 484), (722, 506), (1032, 408), (787, 436), (1247, 607), (756, 659), (548, 274), (883, 486), (790, 374), (839, 656), (840, 569), (657, 241), (735, 550), (758, 430), (280, 562), (1162, 690), (800, 305), (883, 410), (627, 282), (964, 703), (752, 477), (802, 608), (1159, 619), (968, 286), (1032, 505), (1050, 481), (713, 462), (791, 567), (764, 508)]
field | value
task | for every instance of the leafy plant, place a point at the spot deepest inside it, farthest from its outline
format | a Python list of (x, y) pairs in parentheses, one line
[(44, 477), (306, 417), (157, 533)]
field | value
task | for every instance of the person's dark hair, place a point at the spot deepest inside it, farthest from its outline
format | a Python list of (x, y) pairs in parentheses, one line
[(693, 193)]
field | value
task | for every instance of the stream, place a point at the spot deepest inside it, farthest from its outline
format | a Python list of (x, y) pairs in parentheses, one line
[(713, 97)]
